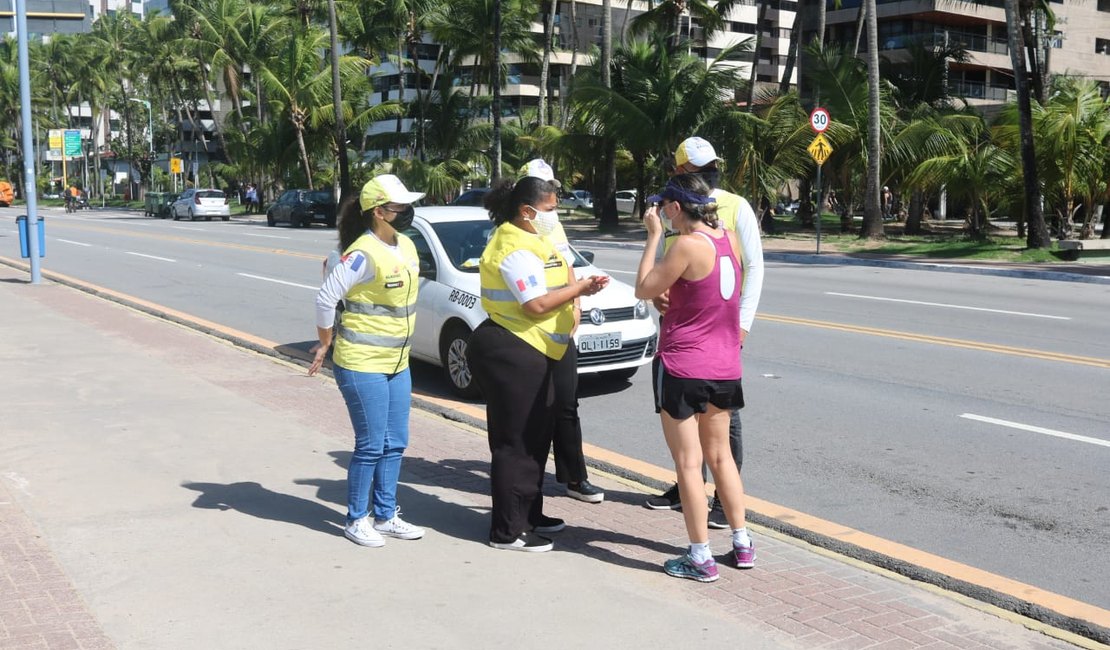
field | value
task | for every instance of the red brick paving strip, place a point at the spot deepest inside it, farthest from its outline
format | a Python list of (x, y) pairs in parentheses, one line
[(39, 607)]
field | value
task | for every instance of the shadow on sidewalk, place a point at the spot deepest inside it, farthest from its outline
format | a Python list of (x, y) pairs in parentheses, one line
[(252, 499)]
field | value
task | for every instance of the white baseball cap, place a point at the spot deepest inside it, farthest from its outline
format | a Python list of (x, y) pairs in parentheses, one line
[(386, 188), (538, 168), (696, 151)]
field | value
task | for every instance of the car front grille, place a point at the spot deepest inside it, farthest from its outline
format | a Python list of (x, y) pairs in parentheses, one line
[(630, 351), (619, 313)]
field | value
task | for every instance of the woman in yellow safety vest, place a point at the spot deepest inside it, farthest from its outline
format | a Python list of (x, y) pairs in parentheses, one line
[(529, 292), (377, 278)]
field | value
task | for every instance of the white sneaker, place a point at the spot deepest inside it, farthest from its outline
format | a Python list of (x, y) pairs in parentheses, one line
[(398, 527), (362, 533)]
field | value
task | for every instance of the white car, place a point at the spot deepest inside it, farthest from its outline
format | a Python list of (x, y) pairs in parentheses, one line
[(194, 203), (626, 201), (616, 336), (577, 199)]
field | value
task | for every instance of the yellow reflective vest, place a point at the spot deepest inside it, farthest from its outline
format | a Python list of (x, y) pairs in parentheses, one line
[(549, 333), (375, 332)]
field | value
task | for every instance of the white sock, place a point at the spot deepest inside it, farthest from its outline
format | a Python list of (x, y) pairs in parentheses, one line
[(740, 537), (700, 552)]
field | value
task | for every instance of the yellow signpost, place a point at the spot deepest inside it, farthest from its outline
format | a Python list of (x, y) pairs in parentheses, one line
[(820, 149), (175, 166)]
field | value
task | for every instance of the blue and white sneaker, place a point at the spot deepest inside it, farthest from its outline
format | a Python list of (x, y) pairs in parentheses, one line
[(686, 567)]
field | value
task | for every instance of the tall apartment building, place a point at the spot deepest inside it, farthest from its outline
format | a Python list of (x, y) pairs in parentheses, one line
[(522, 90), (1079, 43)]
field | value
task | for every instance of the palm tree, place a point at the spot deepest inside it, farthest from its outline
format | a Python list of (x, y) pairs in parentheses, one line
[(1038, 234), (872, 214), (113, 37), (658, 97), (297, 84)]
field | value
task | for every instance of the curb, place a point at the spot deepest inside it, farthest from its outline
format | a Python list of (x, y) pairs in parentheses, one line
[(1004, 601), (833, 259)]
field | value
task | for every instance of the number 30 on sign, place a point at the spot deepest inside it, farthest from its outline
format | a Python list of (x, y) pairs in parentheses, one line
[(819, 120)]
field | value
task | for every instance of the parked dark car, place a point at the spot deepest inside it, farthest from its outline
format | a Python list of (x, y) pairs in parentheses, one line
[(472, 197), (302, 208)]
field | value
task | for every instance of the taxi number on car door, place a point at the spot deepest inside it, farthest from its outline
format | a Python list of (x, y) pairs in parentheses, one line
[(599, 342), (463, 299)]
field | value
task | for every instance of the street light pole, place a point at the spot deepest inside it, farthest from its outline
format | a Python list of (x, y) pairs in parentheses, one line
[(30, 192)]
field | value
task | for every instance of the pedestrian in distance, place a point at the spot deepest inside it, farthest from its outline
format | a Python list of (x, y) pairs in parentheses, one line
[(697, 370), (570, 461), (529, 292), (696, 156), (377, 279)]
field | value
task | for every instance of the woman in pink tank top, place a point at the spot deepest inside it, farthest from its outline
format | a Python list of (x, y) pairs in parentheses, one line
[(697, 368)]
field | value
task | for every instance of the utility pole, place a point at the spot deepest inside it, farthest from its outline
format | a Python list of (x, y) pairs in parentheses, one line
[(30, 191)]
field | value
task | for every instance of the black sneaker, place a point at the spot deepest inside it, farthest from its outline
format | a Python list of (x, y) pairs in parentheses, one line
[(549, 525), (667, 501), (585, 491), (527, 542), (717, 517)]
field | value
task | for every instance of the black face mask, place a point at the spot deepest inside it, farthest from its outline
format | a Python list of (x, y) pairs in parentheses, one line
[(402, 219), (712, 177)]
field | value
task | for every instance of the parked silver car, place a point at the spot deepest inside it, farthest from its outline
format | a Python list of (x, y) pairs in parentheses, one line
[(201, 203)]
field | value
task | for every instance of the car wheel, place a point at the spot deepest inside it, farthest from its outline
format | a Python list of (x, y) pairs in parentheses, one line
[(192, 217), (330, 223), (270, 219), (624, 374), (227, 218), (173, 213), (452, 353)]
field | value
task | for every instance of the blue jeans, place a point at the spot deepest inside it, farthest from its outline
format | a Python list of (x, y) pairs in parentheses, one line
[(379, 407)]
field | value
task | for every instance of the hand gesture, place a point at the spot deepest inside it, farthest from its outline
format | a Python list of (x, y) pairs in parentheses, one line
[(593, 284), (319, 352), (662, 302), (652, 222)]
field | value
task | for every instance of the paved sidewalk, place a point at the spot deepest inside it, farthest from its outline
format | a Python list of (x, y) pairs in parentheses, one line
[(163, 489)]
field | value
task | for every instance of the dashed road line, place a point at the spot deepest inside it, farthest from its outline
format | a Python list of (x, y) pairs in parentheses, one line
[(1034, 429), (946, 305), (153, 257), (70, 241), (275, 280)]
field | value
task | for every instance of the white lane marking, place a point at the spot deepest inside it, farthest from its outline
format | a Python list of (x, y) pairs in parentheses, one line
[(70, 241), (253, 234), (941, 304), (192, 228), (19, 482), (616, 271), (292, 284), (1029, 427), (153, 257)]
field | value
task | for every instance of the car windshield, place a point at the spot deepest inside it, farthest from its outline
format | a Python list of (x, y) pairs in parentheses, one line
[(464, 242), (318, 196)]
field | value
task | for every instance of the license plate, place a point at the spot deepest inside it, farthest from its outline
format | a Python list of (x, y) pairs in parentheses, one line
[(599, 342)]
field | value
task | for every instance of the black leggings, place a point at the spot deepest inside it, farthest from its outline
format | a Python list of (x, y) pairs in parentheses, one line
[(570, 463), (516, 381)]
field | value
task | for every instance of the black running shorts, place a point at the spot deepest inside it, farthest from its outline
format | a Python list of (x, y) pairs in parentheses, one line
[(682, 398)]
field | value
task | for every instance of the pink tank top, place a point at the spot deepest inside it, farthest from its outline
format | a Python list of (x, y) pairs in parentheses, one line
[(700, 337)]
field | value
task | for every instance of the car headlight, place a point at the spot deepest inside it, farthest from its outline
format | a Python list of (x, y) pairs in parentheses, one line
[(641, 310)]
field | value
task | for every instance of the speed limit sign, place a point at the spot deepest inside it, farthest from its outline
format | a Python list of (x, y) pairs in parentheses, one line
[(819, 120)]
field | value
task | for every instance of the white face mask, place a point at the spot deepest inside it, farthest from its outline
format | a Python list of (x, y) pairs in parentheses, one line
[(668, 225), (545, 223)]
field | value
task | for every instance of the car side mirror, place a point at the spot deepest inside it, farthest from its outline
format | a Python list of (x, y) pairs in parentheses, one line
[(588, 255)]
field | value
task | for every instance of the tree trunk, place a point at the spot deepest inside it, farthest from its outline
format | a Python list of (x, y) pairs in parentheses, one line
[(872, 213), (573, 61), (298, 126), (792, 53), (608, 194), (1105, 221), (917, 211), (763, 4), (400, 87), (337, 102), (861, 18), (545, 67), (1038, 233), (821, 10), (496, 80)]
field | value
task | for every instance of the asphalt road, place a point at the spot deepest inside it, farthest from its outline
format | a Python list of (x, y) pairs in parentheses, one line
[(963, 415)]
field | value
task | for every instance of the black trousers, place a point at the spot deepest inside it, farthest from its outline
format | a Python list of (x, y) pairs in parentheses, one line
[(517, 383), (570, 463)]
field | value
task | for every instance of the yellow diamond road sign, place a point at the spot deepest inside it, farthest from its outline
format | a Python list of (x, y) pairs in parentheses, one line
[(820, 149)]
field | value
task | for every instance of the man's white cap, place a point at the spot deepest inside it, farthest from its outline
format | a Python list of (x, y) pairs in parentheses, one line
[(386, 188), (696, 151), (538, 168)]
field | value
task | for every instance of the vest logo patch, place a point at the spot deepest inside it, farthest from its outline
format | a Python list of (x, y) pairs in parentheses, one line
[(553, 263), (395, 285)]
